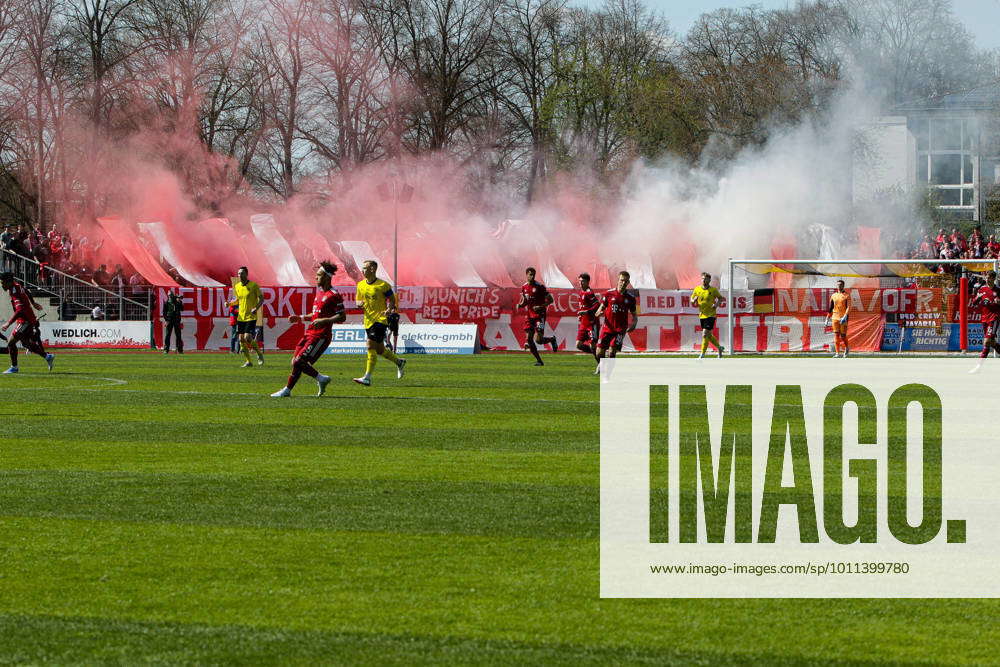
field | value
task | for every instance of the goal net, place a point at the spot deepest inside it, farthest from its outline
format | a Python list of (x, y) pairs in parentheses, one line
[(895, 305)]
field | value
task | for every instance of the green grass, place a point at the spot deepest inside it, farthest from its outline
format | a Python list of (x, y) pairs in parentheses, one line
[(185, 516)]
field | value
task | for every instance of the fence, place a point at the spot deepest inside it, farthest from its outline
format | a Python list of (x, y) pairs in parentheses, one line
[(76, 296)]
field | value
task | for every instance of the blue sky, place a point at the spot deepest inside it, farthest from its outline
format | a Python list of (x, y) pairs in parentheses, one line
[(981, 17)]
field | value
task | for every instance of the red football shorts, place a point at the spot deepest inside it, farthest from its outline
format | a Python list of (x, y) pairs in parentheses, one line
[(586, 333), (609, 339), (311, 348), (535, 324)]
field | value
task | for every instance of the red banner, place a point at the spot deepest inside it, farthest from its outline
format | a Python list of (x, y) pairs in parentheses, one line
[(666, 320), (863, 300)]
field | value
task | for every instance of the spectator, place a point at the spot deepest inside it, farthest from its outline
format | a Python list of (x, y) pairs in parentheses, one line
[(97, 313), (7, 243), (234, 339), (101, 277), (927, 248), (135, 285), (959, 240), (41, 255), (56, 250), (118, 279), (172, 319)]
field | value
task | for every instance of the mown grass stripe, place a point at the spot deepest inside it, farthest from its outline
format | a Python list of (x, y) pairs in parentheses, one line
[(425, 506), (483, 588), (290, 461)]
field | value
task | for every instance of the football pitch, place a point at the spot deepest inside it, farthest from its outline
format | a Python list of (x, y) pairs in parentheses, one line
[(166, 509)]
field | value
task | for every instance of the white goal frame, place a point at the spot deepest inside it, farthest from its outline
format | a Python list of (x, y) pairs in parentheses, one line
[(731, 316)]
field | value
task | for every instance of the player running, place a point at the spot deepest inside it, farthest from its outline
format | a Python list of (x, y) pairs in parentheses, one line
[(327, 310), (536, 299), (840, 308), (376, 300), (26, 330), (248, 301), (987, 298), (707, 298), (616, 307), (587, 329)]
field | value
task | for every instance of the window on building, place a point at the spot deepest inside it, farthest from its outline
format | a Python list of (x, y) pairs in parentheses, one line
[(945, 161)]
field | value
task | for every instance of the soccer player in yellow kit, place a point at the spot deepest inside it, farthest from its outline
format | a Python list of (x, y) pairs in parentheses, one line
[(376, 300), (840, 308), (249, 300), (705, 297)]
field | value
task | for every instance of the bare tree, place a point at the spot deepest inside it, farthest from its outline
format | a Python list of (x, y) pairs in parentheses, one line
[(912, 49), (529, 33), (440, 46), (352, 90)]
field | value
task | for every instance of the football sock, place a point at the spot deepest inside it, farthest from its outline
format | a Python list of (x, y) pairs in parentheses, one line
[(370, 362), (712, 339), (12, 349), (533, 349), (704, 344), (585, 348), (308, 369), (245, 349), (293, 378), (390, 355)]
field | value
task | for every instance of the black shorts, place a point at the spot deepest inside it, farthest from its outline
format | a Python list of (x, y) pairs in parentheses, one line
[(25, 331), (248, 327), (708, 323), (376, 332)]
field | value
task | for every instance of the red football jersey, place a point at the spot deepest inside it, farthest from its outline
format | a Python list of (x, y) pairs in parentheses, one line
[(617, 306), (588, 302), (534, 296), (326, 304), (986, 300), (20, 301)]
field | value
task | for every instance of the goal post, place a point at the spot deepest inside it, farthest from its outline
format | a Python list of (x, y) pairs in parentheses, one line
[(852, 268)]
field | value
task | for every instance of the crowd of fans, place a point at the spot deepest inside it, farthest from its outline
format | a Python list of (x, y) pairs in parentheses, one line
[(956, 246), (71, 254)]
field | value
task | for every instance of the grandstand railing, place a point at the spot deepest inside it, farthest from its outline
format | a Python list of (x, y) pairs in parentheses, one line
[(77, 296), (731, 323)]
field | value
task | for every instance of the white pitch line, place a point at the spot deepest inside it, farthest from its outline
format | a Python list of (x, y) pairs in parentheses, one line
[(109, 382)]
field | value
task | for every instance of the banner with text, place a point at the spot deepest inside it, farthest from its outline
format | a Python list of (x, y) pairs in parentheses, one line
[(107, 334)]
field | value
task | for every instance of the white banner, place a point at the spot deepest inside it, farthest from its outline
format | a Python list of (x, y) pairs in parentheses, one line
[(413, 339), (112, 334), (678, 302)]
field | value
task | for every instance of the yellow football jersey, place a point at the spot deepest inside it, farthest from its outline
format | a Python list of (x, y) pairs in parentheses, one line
[(372, 299), (706, 297), (248, 297)]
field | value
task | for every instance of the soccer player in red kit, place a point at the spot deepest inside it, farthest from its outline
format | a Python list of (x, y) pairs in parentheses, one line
[(988, 300), (537, 300), (586, 333), (617, 307), (26, 330), (328, 309)]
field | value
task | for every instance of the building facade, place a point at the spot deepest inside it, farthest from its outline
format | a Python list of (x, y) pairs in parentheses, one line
[(949, 145)]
